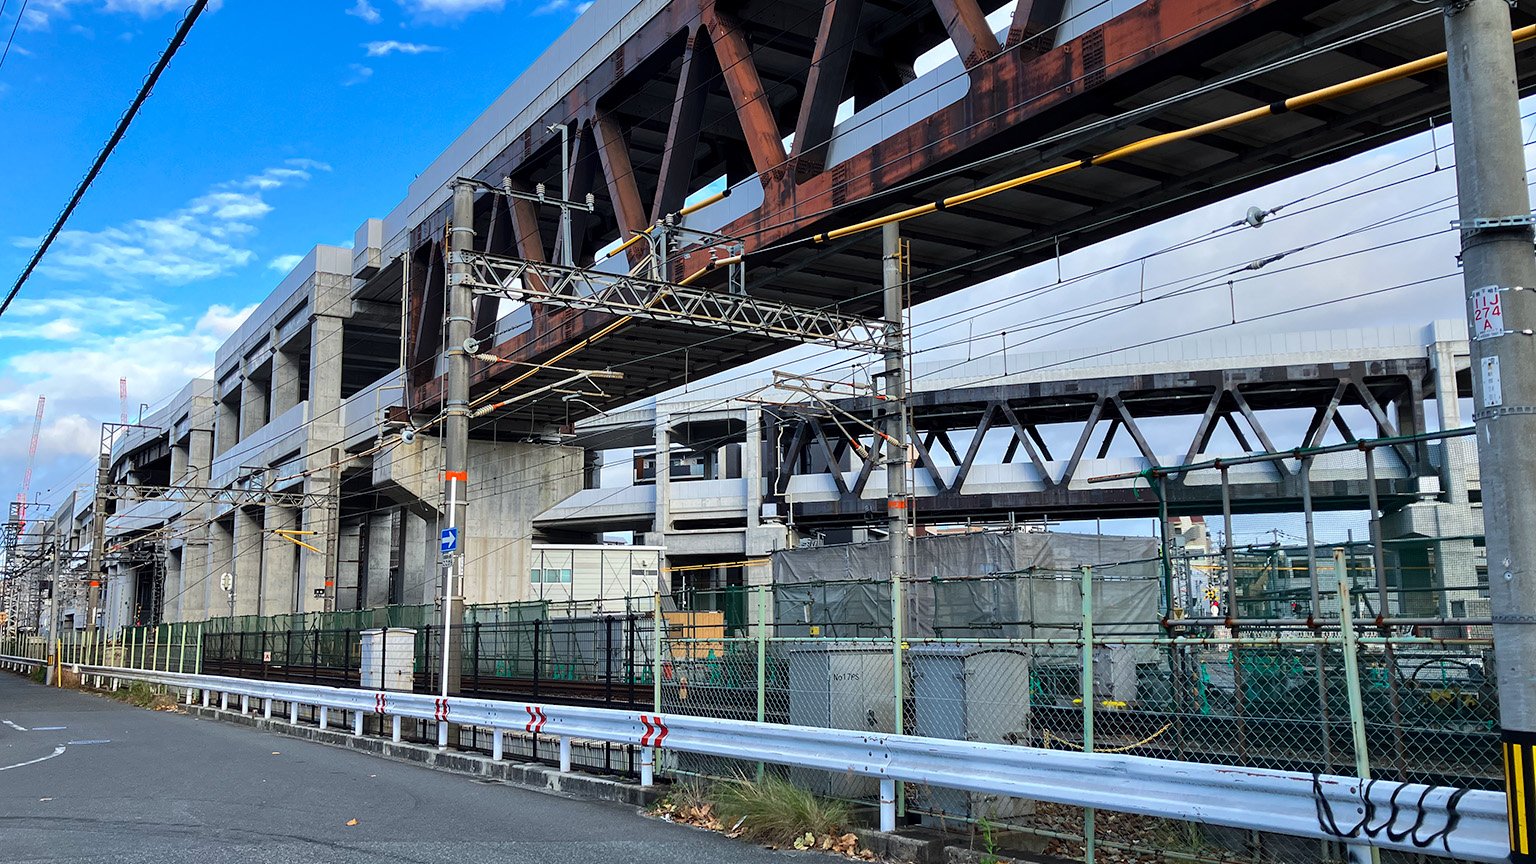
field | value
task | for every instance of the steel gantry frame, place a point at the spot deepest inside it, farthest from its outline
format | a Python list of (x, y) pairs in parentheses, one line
[(622, 294)]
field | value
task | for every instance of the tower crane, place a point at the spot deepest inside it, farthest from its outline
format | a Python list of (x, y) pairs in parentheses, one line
[(26, 477)]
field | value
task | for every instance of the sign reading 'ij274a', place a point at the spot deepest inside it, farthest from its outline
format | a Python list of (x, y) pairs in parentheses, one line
[(1487, 313)]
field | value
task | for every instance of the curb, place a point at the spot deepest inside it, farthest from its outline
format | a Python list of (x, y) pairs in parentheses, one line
[(524, 774)]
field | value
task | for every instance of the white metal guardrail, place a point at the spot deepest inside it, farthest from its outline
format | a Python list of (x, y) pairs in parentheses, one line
[(1467, 825)]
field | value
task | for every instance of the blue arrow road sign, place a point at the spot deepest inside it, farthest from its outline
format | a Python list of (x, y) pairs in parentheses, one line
[(449, 541)]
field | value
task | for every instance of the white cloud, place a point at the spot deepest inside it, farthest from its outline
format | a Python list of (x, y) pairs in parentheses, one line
[(308, 164), (366, 11), (550, 7), (40, 14), (390, 46), (203, 239), (284, 263), (449, 8), (360, 73), (157, 356), (143, 8)]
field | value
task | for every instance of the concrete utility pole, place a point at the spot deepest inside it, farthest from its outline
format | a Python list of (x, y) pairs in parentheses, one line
[(897, 516), (93, 565), (56, 610), (1500, 272), (456, 430)]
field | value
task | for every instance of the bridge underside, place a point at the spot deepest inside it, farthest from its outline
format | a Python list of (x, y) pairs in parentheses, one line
[(704, 90)]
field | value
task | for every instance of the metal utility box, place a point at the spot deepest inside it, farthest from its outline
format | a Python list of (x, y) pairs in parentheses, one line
[(970, 693), (388, 659), (1114, 672), (841, 685)]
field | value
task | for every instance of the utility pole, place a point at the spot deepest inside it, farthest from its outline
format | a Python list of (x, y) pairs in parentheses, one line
[(56, 608), (897, 516), (461, 239), (93, 565), (1500, 273)]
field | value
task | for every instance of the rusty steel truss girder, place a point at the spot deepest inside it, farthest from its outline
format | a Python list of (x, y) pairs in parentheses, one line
[(705, 88)]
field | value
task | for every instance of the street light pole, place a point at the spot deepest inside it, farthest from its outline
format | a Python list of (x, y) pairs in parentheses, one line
[(1500, 274)]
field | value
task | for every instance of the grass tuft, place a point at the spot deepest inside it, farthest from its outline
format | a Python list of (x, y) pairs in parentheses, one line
[(774, 811)]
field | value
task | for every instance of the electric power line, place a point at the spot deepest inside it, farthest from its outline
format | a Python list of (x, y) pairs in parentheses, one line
[(176, 42)]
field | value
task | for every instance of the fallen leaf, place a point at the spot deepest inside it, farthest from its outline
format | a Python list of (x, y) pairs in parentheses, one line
[(351, 822)]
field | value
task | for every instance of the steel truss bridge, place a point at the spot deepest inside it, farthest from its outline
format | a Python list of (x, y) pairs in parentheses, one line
[(981, 452)]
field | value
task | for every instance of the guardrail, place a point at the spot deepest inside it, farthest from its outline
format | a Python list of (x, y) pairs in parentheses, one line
[(20, 664), (1467, 825)]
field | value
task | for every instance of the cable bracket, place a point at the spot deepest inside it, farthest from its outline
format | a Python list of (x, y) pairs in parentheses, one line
[(1490, 223), (1498, 411)]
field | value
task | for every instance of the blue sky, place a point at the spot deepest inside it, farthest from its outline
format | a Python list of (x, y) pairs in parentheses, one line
[(279, 125), (284, 124)]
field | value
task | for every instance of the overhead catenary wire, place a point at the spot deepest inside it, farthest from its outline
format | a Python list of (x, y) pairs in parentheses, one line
[(177, 40)]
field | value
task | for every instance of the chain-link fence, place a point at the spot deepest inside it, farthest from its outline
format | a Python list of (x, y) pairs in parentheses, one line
[(1270, 659), (1030, 659)]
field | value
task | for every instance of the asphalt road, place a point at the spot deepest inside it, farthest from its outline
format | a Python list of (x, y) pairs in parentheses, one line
[(94, 780)]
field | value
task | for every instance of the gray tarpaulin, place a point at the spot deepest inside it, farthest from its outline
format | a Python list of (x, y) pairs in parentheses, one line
[(1005, 584)]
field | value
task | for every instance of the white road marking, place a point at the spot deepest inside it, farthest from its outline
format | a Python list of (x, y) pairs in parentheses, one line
[(57, 751), (49, 728), (14, 726)]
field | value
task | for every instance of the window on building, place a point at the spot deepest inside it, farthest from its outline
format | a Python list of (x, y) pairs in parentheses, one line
[(550, 576)]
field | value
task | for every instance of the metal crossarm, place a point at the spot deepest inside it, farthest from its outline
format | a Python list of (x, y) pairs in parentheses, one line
[(205, 495), (622, 294)]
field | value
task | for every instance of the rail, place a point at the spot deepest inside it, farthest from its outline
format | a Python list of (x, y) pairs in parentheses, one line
[(1467, 825)]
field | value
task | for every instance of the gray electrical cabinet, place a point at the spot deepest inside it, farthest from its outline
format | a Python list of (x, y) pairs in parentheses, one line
[(841, 685), (970, 693), (1114, 672)]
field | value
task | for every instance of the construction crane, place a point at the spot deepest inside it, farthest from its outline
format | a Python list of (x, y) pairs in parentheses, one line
[(26, 477)]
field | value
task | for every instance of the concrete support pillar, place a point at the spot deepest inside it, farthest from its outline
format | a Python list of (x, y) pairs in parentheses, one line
[(227, 424), (314, 570), (325, 339), (1460, 454), (283, 387), (349, 569), (592, 469), (278, 571), (418, 569), (178, 461), (176, 581), (246, 560), (253, 407), (221, 553), (380, 551)]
